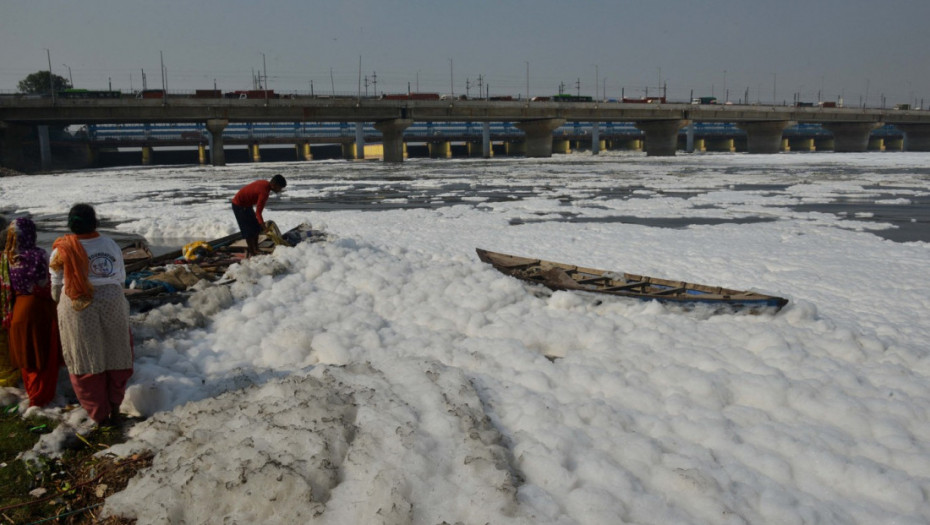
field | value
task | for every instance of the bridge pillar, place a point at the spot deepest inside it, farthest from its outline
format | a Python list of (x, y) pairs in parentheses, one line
[(596, 144), (539, 135), (146, 155), (216, 126), (201, 154), (561, 146), (487, 150), (440, 150), (764, 137), (876, 144), (359, 140), (393, 136), (916, 136), (305, 152), (894, 144), (661, 136), (851, 137), (45, 148), (254, 152)]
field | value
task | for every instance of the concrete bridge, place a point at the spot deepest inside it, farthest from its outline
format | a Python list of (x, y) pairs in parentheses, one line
[(661, 123)]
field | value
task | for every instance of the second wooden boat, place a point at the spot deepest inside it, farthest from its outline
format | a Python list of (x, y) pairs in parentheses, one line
[(560, 276)]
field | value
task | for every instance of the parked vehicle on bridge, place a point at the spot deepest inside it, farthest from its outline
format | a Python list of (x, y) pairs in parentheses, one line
[(902, 106), (564, 97), (252, 93), (826, 104), (501, 98), (208, 93), (704, 100), (151, 93), (409, 96), (86, 93), (644, 100)]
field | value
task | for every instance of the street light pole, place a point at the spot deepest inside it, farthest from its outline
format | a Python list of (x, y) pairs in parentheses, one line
[(164, 79), (51, 79), (265, 71), (70, 78), (161, 58), (527, 79)]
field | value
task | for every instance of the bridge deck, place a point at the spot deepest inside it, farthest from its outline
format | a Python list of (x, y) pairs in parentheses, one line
[(83, 111)]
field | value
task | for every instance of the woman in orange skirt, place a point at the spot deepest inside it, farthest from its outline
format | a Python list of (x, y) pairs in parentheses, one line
[(87, 281)]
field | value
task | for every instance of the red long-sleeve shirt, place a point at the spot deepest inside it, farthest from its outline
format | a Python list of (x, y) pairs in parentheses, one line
[(254, 194)]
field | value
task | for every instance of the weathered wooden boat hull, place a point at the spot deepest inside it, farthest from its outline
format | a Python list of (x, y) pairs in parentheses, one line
[(136, 255), (560, 276), (167, 278)]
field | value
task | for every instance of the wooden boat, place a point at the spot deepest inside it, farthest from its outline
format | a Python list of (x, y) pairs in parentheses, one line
[(559, 276), (136, 254), (167, 278)]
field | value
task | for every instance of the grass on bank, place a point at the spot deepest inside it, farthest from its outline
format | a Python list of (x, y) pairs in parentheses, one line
[(67, 490)]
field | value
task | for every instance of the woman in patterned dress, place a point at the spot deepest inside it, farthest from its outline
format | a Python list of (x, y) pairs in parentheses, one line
[(28, 312), (9, 374)]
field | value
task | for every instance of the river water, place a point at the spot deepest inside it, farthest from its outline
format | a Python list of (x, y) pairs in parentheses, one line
[(889, 199), (889, 191)]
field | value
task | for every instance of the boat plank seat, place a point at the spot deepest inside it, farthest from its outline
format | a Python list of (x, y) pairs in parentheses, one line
[(590, 280), (628, 286), (517, 266), (671, 291)]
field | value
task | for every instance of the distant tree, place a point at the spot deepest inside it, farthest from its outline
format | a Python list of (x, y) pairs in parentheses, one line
[(38, 83)]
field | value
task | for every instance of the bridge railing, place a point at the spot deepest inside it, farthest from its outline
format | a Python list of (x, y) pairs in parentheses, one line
[(419, 131), (297, 130)]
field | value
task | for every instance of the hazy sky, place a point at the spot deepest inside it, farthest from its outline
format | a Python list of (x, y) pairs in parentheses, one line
[(826, 48)]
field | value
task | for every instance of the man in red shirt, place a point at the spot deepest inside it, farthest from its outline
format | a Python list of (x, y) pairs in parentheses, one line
[(251, 222)]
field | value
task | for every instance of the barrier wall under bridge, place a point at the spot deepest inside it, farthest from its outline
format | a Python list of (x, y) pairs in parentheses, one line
[(158, 143)]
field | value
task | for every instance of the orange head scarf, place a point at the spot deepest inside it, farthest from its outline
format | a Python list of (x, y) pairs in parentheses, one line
[(71, 257)]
